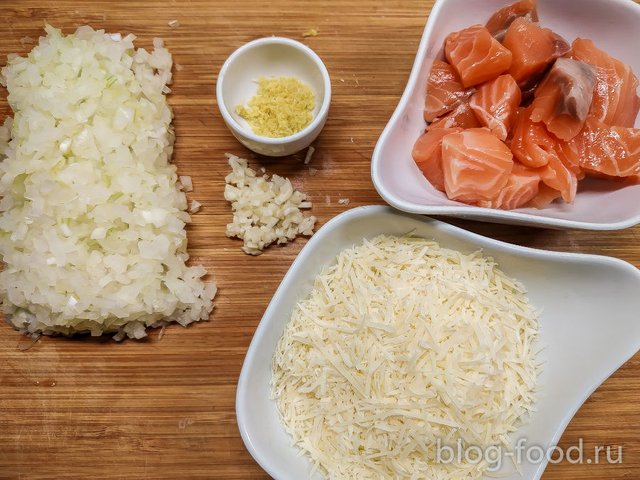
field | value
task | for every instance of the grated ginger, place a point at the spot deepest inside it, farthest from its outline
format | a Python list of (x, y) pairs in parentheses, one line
[(283, 106), (400, 343)]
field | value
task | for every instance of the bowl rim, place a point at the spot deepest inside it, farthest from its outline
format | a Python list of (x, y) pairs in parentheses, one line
[(275, 40), (468, 211), (243, 402)]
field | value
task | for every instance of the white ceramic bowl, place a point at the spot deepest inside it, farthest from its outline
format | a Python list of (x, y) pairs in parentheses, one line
[(272, 56), (589, 328), (600, 204)]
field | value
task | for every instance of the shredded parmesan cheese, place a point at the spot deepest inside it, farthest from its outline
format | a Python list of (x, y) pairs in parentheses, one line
[(401, 343), (264, 210), (282, 107)]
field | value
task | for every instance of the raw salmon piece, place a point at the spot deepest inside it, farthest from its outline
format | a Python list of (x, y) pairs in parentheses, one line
[(521, 188), (562, 101), (605, 150), (503, 18), (560, 177), (531, 144), (615, 99), (534, 48), (427, 153), (444, 91), (545, 196), (462, 116), (476, 55), (476, 165), (495, 104)]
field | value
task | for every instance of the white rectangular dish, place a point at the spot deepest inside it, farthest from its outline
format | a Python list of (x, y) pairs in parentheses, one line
[(599, 205), (589, 328)]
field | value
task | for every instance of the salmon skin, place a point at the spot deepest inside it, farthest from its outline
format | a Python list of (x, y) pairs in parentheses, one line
[(503, 18), (562, 101), (427, 153), (533, 50), (615, 99), (462, 116), (476, 56), (476, 165), (444, 91), (495, 104)]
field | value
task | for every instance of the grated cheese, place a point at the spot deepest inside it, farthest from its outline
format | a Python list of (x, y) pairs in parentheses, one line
[(282, 107), (400, 343), (264, 210)]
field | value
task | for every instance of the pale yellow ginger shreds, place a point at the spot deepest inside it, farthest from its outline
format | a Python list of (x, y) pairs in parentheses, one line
[(282, 107), (401, 343)]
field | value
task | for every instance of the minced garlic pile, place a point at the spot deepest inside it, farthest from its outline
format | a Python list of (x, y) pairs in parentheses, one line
[(282, 107), (265, 210), (402, 343)]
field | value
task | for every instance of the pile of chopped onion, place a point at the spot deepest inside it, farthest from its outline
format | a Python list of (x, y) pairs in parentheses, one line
[(401, 345), (92, 221)]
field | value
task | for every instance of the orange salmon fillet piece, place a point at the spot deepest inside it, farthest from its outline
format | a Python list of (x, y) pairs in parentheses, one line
[(476, 56), (531, 144), (476, 165), (462, 116), (563, 99), (533, 48), (604, 150), (427, 153), (444, 91), (545, 196), (615, 98), (495, 104), (522, 186), (557, 175), (503, 18)]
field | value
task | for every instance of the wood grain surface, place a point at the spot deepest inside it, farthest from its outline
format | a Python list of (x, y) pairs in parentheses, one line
[(164, 408)]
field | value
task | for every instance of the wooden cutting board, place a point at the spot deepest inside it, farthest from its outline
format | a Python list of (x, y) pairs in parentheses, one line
[(164, 408)]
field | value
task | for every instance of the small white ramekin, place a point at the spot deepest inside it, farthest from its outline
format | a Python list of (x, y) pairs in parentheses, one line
[(272, 56)]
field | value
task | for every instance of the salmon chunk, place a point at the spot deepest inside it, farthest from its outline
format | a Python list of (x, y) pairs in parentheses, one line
[(427, 153), (522, 186), (462, 116), (444, 91), (604, 150), (476, 55), (562, 101), (495, 104), (503, 18), (615, 98), (533, 48), (476, 165)]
